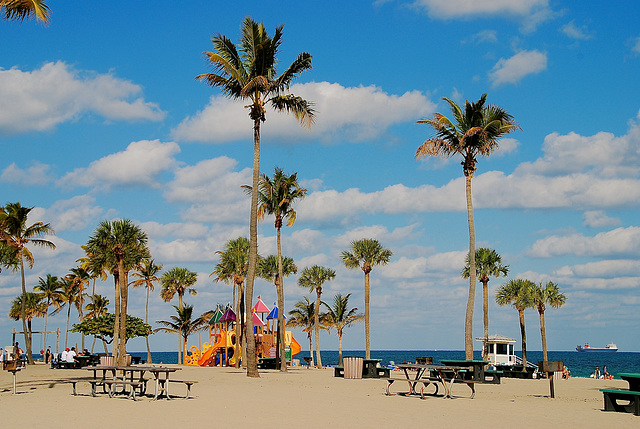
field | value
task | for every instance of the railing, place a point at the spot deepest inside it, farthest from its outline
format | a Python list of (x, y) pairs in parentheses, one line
[(529, 364)]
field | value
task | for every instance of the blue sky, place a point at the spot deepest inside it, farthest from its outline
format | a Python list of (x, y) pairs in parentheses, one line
[(101, 118)]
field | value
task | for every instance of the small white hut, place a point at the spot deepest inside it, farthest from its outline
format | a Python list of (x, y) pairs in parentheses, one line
[(500, 350)]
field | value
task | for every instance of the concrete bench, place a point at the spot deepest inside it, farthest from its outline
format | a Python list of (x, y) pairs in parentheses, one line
[(492, 376), (112, 383), (187, 383), (612, 396)]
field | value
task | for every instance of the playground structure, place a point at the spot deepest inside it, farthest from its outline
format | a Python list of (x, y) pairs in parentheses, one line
[(222, 348)]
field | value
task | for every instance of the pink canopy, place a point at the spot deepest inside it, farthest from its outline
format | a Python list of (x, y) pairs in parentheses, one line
[(260, 307), (257, 321)]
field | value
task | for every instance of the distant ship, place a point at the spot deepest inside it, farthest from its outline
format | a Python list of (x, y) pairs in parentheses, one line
[(608, 348)]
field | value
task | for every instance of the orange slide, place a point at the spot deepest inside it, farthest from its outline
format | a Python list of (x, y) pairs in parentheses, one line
[(210, 353)]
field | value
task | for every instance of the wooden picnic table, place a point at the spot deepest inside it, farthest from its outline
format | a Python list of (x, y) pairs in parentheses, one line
[(128, 373), (446, 375)]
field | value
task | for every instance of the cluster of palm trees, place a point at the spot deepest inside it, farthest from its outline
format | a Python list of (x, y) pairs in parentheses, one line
[(521, 293)]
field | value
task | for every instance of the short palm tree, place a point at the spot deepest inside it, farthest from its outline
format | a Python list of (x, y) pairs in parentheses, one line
[(248, 73), (49, 289), (366, 254), (232, 269), (340, 316), (68, 298), (488, 263), (34, 306), (184, 325), (273, 268), (474, 131), (118, 246), (177, 281), (543, 296), (82, 278), (303, 316), (97, 307), (19, 10), (518, 292), (276, 196), (313, 278), (15, 235), (147, 275)]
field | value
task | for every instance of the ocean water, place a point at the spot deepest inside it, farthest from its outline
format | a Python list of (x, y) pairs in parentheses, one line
[(580, 364)]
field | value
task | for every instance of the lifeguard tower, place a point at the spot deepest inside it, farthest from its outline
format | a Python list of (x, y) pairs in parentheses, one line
[(500, 350)]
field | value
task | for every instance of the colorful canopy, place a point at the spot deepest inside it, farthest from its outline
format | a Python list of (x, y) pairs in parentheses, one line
[(217, 315), (274, 313), (260, 307), (257, 321), (228, 316)]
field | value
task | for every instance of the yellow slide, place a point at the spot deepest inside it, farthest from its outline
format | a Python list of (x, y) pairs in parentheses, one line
[(209, 355)]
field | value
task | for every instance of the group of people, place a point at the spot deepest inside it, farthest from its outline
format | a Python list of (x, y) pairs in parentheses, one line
[(602, 375), (10, 356)]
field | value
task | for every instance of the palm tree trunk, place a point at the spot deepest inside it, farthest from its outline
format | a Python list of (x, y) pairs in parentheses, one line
[(311, 349), (238, 328), (23, 313), (116, 322), (122, 348), (485, 309), (280, 292), (66, 332), (316, 322), (252, 363), (340, 362), (180, 357), (367, 331), (468, 325), (146, 320), (543, 334), (523, 333), (46, 316)]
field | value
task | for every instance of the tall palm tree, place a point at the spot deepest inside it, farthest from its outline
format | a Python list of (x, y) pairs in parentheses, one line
[(34, 306), (518, 292), (184, 325), (232, 269), (19, 10), (488, 263), (248, 73), (69, 298), (177, 281), (147, 275), (97, 307), (16, 235), (273, 268), (276, 197), (543, 296), (340, 316), (312, 278), (476, 131), (82, 278), (49, 289), (303, 316), (366, 254), (118, 246)]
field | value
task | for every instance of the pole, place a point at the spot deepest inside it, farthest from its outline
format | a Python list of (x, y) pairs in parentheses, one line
[(551, 389)]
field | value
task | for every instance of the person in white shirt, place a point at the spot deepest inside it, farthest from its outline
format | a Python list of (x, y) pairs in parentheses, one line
[(63, 355), (71, 355)]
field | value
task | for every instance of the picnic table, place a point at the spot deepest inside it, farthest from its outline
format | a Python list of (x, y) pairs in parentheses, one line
[(131, 376), (445, 375), (632, 395)]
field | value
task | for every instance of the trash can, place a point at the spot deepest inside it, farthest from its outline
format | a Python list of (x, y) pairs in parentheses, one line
[(353, 367)]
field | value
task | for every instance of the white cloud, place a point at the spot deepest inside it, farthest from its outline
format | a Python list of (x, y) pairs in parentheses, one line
[(573, 31), (514, 69), (635, 48), (598, 219), (604, 269), (37, 174), (175, 229), (70, 215), (41, 99), (465, 8), (355, 114), (139, 164), (620, 241), (485, 36)]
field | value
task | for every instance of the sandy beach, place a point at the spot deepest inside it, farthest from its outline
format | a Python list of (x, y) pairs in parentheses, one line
[(304, 398)]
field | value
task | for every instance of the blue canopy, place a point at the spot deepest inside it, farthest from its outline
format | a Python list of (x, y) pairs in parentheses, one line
[(274, 313)]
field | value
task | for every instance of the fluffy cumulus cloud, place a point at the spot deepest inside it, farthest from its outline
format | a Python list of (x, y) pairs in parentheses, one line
[(37, 174), (355, 114), (73, 214), (138, 165), (599, 219), (576, 32), (513, 70), (41, 99), (619, 241), (464, 8)]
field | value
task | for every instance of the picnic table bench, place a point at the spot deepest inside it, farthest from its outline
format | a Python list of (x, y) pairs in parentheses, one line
[(431, 374), (479, 374), (612, 396), (370, 369)]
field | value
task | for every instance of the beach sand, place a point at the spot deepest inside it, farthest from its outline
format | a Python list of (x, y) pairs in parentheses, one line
[(309, 398)]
